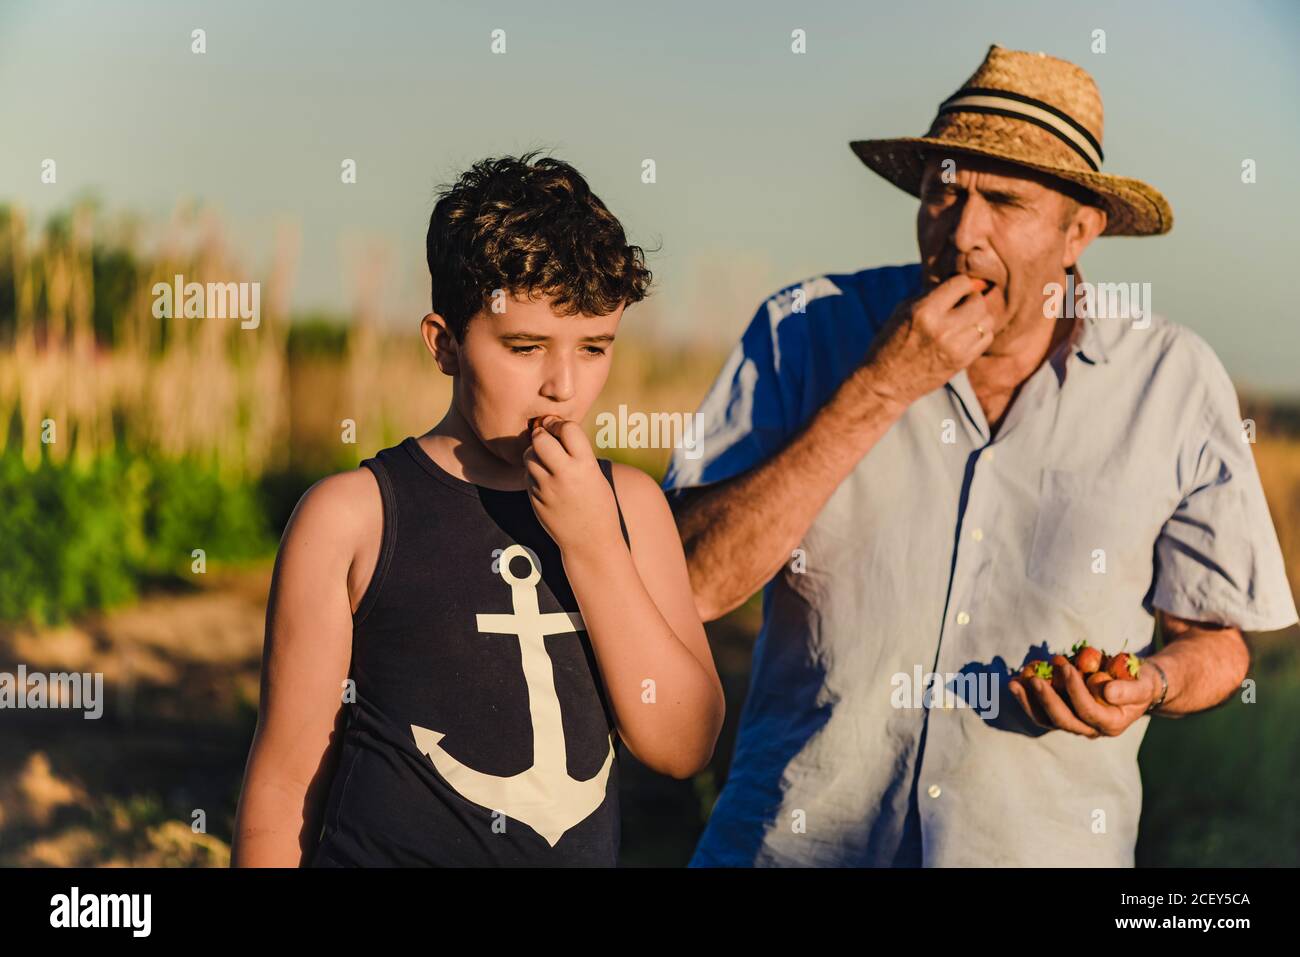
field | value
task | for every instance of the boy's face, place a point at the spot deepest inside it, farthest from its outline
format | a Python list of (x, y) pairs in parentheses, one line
[(522, 363)]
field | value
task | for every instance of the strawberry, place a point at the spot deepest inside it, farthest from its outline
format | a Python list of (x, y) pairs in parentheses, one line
[(1087, 658), (1124, 666), (1036, 669), (1095, 682)]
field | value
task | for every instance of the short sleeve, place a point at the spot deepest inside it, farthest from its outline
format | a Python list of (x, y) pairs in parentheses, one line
[(748, 414), (1218, 557)]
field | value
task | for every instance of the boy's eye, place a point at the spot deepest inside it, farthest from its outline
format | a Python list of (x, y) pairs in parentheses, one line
[(528, 350)]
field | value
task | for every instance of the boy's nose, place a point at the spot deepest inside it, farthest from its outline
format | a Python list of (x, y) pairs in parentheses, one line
[(558, 384)]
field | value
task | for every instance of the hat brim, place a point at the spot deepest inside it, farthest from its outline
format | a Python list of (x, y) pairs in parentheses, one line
[(1133, 208)]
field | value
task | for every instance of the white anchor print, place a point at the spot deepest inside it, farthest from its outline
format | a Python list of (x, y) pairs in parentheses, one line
[(545, 796)]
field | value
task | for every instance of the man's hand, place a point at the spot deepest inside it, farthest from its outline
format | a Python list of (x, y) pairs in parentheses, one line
[(929, 339), (569, 494), (1079, 711)]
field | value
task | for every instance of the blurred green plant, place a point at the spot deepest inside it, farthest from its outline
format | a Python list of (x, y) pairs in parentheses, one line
[(77, 538)]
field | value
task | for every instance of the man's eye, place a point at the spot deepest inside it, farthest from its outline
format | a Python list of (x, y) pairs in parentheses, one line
[(594, 350), (522, 350)]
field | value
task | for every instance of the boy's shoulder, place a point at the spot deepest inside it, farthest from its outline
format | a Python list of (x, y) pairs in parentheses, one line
[(632, 483), (344, 509), (643, 503), (345, 491)]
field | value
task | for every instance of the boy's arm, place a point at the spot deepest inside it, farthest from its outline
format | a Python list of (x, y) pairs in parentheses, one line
[(651, 647), (305, 661)]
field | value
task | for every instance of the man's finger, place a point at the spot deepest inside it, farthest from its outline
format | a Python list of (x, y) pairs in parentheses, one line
[(1057, 711), (1126, 692), (948, 293), (1034, 714), (1089, 710)]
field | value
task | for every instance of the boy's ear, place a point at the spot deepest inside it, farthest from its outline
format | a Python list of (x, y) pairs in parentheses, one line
[(440, 341)]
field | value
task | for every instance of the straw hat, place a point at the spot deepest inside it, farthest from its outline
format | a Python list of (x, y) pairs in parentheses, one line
[(1036, 111)]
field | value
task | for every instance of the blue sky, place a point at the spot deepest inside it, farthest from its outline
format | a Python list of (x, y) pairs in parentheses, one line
[(756, 185)]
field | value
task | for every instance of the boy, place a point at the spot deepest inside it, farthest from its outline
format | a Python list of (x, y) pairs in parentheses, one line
[(509, 609)]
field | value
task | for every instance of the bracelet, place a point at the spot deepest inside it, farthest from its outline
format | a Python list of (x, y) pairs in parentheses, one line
[(1164, 687)]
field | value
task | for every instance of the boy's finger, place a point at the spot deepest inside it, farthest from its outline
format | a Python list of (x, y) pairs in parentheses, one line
[(571, 437), (548, 449), (535, 472)]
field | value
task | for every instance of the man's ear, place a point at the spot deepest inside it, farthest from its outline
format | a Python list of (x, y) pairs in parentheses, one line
[(1089, 222), (440, 341)]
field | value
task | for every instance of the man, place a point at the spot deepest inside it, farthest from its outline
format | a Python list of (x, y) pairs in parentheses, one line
[(937, 469)]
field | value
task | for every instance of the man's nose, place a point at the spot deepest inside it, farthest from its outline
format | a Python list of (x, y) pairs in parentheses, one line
[(972, 225)]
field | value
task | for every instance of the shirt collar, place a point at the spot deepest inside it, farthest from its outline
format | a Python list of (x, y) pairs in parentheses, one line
[(1085, 338)]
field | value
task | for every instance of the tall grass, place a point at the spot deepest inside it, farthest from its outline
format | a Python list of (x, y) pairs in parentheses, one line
[(201, 389)]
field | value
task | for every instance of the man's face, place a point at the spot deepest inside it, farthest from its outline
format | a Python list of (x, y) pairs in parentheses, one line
[(528, 362), (998, 222)]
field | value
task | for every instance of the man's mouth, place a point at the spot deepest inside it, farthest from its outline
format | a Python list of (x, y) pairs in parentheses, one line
[(983, 286)]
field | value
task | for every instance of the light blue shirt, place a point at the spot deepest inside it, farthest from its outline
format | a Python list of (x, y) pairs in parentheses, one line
[(1118, 482)]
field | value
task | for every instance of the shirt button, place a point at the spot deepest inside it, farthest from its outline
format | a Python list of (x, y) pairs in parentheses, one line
[(978, 534), (934, 791), (962, 618)]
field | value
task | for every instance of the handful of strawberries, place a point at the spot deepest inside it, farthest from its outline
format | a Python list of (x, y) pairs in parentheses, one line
[(1096, 666)]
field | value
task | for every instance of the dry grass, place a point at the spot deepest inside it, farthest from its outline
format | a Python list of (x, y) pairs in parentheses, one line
[(204, 388)]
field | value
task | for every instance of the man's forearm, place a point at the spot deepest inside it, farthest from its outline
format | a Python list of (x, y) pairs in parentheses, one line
[(1204, 667), (737, 536)]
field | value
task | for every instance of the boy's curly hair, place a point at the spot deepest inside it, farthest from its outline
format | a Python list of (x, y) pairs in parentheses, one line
[(534, 229)]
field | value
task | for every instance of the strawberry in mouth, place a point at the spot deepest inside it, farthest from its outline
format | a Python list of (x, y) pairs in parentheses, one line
[(981, 287)]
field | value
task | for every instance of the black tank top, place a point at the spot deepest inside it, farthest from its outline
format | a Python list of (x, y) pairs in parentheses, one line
[(480, 733)]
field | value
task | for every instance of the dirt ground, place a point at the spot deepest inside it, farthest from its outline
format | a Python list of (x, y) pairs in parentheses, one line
[(154, 781)]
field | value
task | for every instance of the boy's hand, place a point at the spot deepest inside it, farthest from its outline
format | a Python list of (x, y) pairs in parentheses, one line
[(570, 495)]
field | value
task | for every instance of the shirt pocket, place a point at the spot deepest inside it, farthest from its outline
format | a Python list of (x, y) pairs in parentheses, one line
[(1092, 540)]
